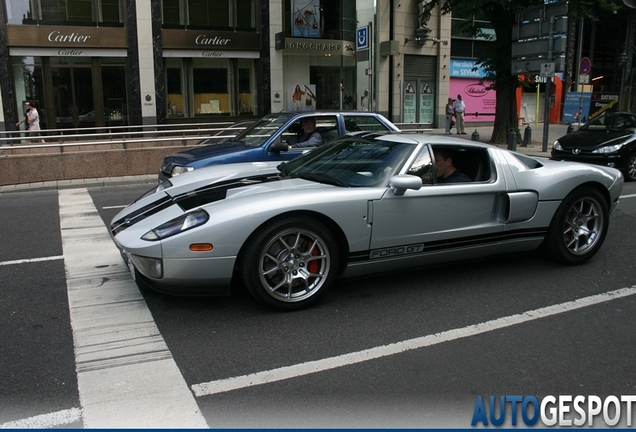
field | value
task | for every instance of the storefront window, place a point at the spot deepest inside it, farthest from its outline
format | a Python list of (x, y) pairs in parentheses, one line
[(204, 87), (219, 14), (209, 81), (328, 19), (65, 12)]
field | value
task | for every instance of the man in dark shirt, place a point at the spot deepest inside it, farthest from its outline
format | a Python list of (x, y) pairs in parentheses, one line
[(446, 171), (310, 136)]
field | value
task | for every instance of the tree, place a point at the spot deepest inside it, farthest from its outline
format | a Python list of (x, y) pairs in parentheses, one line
[(497, 60)]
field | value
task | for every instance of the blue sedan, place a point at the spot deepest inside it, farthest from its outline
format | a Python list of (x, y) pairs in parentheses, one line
[(271, 138)]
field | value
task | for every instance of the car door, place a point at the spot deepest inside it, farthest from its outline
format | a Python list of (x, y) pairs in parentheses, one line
[(439, 218)]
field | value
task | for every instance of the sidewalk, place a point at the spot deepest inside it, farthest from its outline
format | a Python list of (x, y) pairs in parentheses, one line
[(535, 148), (485, 132)]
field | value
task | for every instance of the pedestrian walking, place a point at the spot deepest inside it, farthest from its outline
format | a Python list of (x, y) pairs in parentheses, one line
[(32, 120)]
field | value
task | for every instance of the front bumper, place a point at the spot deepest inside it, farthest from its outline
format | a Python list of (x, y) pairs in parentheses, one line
[(613, 160)]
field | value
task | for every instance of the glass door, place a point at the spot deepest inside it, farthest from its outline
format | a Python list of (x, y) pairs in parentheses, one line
[(73, 96)]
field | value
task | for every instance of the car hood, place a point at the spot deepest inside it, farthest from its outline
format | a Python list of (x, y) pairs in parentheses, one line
[(590, 140), (196, 153), (214, 174), (221, 183)]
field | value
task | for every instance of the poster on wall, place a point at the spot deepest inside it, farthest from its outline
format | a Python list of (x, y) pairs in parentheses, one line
[(410, 99), (480, 100), (306, 18), (302, 97), (466, 79), (576, 107), (427, 101)]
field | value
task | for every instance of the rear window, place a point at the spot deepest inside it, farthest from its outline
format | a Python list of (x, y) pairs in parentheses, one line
[(360, 123)]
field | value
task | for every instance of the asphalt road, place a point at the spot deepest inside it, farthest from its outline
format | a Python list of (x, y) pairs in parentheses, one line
[(406, 350)]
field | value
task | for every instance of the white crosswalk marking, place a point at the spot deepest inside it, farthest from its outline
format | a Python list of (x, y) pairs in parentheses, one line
[(126, 374)]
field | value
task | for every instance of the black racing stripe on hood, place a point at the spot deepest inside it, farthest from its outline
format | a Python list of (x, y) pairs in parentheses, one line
[(218, 191), (188, 200), (140, 214)]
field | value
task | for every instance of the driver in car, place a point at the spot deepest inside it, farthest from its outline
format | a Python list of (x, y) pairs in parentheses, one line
[(310, 136), (446, 171)]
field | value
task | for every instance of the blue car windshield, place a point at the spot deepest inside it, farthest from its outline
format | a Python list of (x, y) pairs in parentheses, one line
[(350, 162), (261, 130)]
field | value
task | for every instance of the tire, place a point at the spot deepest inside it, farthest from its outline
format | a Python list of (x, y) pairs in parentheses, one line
[(630, 168), (578, 228), (291, 264)]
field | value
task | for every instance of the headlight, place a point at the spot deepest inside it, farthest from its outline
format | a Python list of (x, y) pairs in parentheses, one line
[(609, 149), (557, 146), (178, 225), (180, 170)]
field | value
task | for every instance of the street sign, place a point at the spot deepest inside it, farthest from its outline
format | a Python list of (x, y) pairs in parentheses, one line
[(585, 66), (538, 47), (584, 79), (362, 38), (534, 29), (533, 66), (547, 69)]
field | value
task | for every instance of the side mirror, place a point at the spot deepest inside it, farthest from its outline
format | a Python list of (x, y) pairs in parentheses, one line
[(400, 183), (278, 147)]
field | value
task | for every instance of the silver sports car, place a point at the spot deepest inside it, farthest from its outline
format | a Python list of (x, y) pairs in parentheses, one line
[(361, 204)]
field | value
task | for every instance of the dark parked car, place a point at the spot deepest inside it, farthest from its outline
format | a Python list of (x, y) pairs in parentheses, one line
[(609, 140), (267, 139)]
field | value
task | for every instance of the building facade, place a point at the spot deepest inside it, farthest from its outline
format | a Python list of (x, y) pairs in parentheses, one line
[(94, 63)]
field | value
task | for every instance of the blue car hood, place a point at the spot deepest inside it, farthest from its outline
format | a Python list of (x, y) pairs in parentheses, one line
[(207, 151)]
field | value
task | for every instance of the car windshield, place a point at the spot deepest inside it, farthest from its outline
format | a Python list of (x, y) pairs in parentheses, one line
[(611, 122), (261, 130), (350, 162)]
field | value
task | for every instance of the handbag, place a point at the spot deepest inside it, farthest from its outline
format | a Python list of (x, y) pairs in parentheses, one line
[(452, 122)]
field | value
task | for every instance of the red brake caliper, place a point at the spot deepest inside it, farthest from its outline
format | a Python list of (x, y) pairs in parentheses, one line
[(313, 266)]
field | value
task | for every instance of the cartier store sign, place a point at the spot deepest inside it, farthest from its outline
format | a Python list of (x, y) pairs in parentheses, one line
[(68, 37), (210, 40)]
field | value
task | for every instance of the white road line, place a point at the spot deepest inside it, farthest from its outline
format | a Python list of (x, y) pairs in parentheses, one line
[(31, 260), (46, 421), (114, 207), (229, 384), (126, 374), (627, 196)]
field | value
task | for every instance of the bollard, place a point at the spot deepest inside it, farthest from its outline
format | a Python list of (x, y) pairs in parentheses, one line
[(570, 129), (527, 137), (475, 136), (512, 140)]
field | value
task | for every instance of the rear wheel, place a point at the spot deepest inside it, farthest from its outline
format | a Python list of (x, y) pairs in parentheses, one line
[(578, 228), (630, 170), (291, 264)]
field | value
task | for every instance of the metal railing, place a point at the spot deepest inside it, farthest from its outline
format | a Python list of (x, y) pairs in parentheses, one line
[(108, 135), (413, 127)]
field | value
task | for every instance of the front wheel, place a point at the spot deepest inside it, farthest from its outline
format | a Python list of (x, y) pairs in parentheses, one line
[(291, 264), (630, 168), (578, 228)]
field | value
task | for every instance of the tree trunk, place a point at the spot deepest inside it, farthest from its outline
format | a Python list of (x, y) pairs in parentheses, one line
[(502, 19), (506, 117)]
